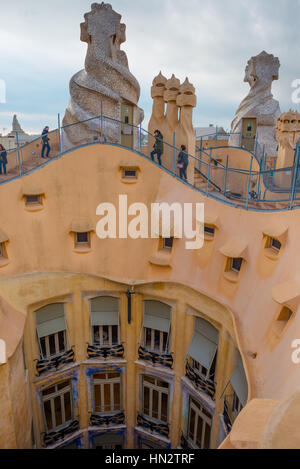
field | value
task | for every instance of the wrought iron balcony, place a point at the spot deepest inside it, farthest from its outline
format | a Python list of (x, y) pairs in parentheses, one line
[(184, 443), (227, 418), (156, 358), (116, 351), (159, 428), (206, 385), (54, 437), (108, 420), (44, 365)]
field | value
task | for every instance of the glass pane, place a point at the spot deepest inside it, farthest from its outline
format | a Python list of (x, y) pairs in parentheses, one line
[(146, 400), (148, 379), (165, 341), (155, 404), (192, 424), (195, 403), (63, 385), (164, 408), (61, 341), (99, 376), (107, 401), (105, 335), (52, 344), (156, 340), (57, 407), (48, 417), (199, 432), (113, 375), (162, 384), (49, 391), (97, 397), (43, 346), (115, 335), (96, 335), (207, 437), (148, 338), (68, 409), (117, 397)]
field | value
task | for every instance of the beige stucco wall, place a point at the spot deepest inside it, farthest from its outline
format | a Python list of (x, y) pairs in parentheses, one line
[(42, 257)]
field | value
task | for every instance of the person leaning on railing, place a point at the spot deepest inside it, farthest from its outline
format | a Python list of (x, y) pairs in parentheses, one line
[(45, 143), (158, 146), (3, 159)]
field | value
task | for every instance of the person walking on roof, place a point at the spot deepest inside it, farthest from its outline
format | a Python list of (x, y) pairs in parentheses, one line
[(45, 143), (183, 162), (158, 146), (3, 159)]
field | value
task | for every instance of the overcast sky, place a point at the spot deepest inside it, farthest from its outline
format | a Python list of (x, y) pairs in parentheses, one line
[(210, 41)]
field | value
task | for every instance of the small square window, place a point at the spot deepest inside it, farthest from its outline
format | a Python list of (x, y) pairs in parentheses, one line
[(168, 243), (130, 173), (82, 239), (283, 319), (275, 244), (209, 231), (33, 200), (235, 264)]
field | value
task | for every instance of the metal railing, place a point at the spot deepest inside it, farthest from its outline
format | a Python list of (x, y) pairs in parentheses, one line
[(116, 351), (205, 385), (154, 427), (163, 359), (263, 189), (107, 420), (44, 365), (54, 437)]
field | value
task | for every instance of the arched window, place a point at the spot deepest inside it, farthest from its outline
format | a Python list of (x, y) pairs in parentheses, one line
[(51, 330), (156, 326), (105, 321), (203, 349)]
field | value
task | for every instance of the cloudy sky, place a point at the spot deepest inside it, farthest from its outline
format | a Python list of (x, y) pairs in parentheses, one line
[(208, 41)]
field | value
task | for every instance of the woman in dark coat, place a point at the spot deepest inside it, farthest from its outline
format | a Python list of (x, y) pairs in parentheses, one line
[(3, 159), (183, 162)]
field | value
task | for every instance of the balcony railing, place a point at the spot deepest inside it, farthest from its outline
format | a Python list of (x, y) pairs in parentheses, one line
[(159, 428), (108, 420), (116, 351), (44, 365), (184, 443), (54, 437), (227, 419), (206, 385), (156, 358)]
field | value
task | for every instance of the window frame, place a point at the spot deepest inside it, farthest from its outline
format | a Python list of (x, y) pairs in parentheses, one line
[(110, 335), (160, 390), (56, 341), (56, 338), (165, 247), (270, 245), (197, 408), (111, 382), (209, 235), (32, 202), (51, 397), (161, 350), (82, 244)]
